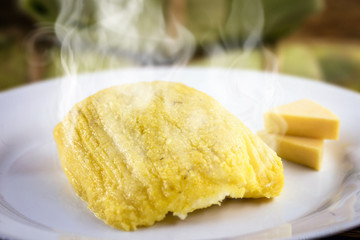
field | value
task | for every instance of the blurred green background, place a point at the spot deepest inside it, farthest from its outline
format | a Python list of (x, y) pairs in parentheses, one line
[(316, 39)]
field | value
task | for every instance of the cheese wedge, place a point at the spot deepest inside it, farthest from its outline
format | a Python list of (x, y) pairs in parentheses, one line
[(303, 118), (305, 151), (135, 152)]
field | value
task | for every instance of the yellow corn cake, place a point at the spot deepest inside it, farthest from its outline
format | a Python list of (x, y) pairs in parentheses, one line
[(135, 152)]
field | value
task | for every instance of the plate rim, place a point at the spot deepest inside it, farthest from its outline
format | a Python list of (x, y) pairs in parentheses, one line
[(326, 231)]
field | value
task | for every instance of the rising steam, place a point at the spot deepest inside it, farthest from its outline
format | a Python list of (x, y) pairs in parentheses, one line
[(134, 30), (142, 31)]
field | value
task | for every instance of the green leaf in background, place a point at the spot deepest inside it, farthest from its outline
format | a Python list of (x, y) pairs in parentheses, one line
[(208, 20), (340, 64), (336, 63), (13, 62), (298, 59), (283, 16), (226, 31), (235, 59), (41, 10), (204, 19), (85, 62)]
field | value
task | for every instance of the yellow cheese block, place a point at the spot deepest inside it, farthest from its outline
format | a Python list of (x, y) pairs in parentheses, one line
[(305, 151), (135, 152), (303, 118)]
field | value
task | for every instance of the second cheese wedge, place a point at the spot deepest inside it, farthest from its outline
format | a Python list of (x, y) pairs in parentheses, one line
[(305, 151), (303, 118)]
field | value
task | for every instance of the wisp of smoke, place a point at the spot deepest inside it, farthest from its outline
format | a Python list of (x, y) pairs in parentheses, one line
[(139, 30)]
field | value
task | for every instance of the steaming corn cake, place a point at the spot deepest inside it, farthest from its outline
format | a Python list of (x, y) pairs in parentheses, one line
[(138, 151)]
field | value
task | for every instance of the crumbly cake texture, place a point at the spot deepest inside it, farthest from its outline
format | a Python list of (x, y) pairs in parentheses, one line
[(135, 152)]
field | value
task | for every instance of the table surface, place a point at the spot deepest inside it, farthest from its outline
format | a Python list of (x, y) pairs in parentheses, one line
[(350, 234)]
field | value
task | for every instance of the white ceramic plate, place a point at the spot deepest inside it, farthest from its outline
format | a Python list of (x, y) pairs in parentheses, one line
[(37, 202)]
